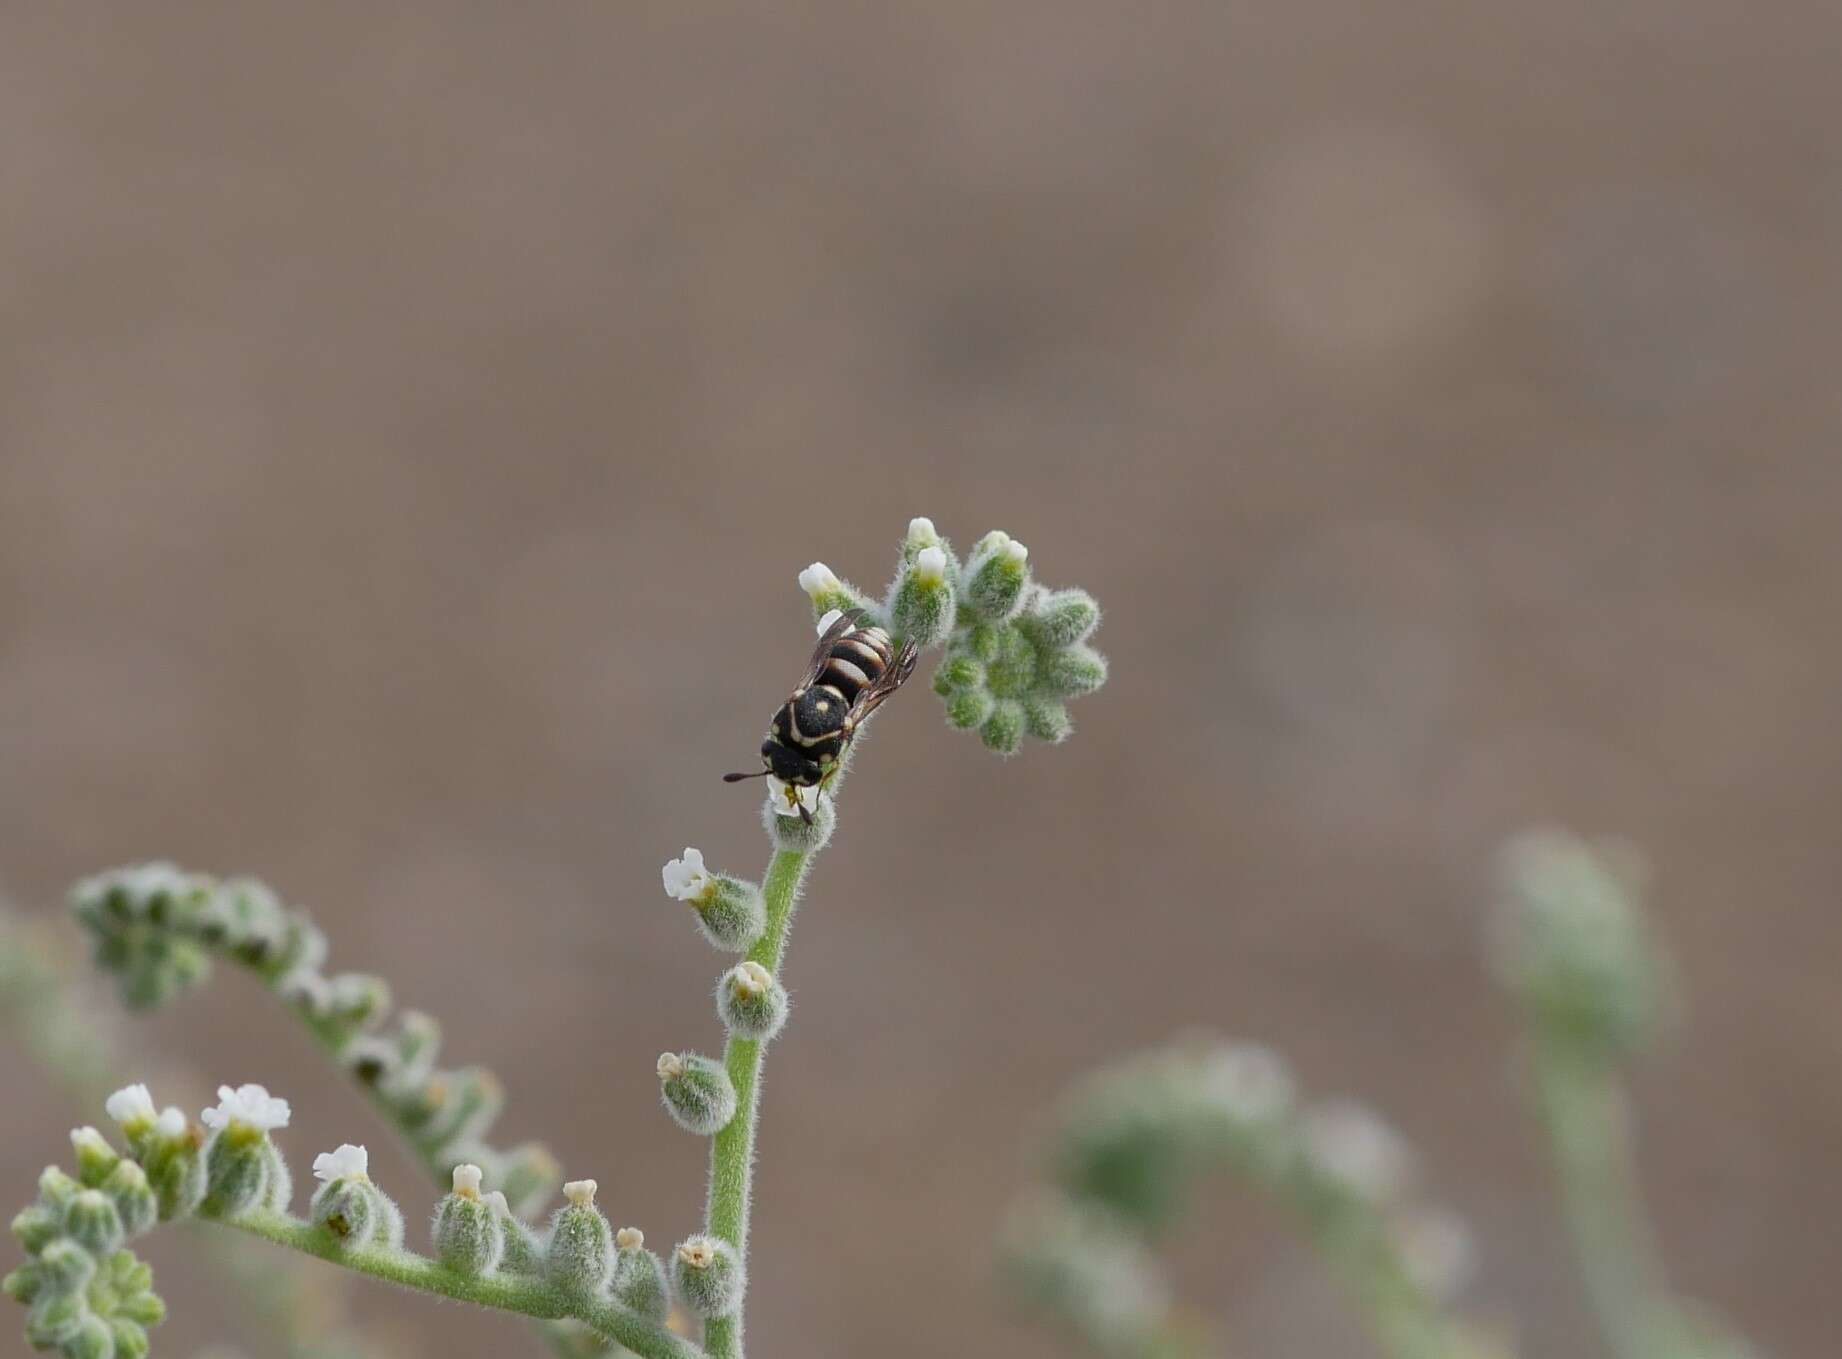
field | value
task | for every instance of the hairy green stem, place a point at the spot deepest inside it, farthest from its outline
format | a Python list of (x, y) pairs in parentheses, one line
[(502, 1292), (1584, 1110), (732, 1152)]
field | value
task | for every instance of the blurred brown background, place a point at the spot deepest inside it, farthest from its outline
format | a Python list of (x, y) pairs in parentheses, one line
[(412, 418)]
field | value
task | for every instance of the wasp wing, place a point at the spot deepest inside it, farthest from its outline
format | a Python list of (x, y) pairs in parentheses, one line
[(842, 624), (882, 686)]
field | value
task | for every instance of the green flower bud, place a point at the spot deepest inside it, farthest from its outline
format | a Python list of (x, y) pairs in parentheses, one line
[(130, 1338), (418, 1041), (1575, 946), (236, 1171), (55, 1318), (22, 1284), (134, 1198), (639, 1277), (708, 1276), (278, 1181), (35, 1226), (469, 1238), (991, 585), (127, 1274), (697, 1092), (523, 1252), (827, 592), (357, 998), (373, 1061), (64, 1266), (176, 1168), (1003, 730), (472, 1099), (956, 672), (91, 1220), (531, 1175), (751, 1002), (921, 602), (137, 1302), (1011, 670), (729, 910), (92, 1339), (1056, 619), (969, 708), (1073, 671), (56, 1189), (792, 832), (580, 1254), (95, 1157), (1046, 720)]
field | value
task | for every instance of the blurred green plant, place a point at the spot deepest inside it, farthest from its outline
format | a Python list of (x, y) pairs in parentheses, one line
[(1572, 945)]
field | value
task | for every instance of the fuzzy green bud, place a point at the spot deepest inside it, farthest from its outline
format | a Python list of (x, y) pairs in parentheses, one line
[(469, 1238), (639, 1282), (957, 672), (128, 1188), (1003, 730), (580, 1254), (278, 1181), (92, 1339), (55, 1318), (175, 1167), (64, 1266), (56, 1189), (1073, 671), (1575, 946), (22, 1284), (992, 584), (523, 1252), (969, 708), (708, 1276), (472, 1099), (828, 592), (418, 1042), (357, 998), (792, 832), (130, 1338), (921, 603), (236, 1171), (95, 1157), (1055, 619), (34, 1226), (531, 1174), (697, 1092), (1046, 719), (751, 1002), (92, 1221)]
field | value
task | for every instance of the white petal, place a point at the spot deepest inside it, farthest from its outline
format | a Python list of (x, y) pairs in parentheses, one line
[(921, 530), (1016, 551), (789, 798), (931, 565), (580, 1192), (467, 1181), (130, 1104), (818, 578), (347, 1163), (171, 1122), (827, 618)]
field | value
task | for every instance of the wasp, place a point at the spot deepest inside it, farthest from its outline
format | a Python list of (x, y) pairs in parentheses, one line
[(852, 671)]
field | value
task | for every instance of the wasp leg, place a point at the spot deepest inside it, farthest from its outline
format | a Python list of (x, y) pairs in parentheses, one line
[(805, 815)]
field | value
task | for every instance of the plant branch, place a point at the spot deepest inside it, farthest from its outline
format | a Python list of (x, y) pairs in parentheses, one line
[(502, 1292)]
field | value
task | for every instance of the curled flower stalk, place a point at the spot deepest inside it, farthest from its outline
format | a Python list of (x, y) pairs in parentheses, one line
[(158, 930)]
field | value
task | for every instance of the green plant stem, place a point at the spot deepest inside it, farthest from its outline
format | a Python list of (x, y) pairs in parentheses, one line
[(732, 1152), (1584, 1110), (503, 1292)]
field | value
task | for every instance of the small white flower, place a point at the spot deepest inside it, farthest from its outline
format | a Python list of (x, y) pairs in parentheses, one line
[(580, 1192), (1248, 1083), (1016, 551), (687, 879), (132, 1104), (630, 1238), (819, 579), (467, 1181), (827, 618), (171, 1122), (347, 1163), (750, 979), (670, 1066), (1351, 1145), (931, 566), (788, 798), (921, 532), (251, 1105)]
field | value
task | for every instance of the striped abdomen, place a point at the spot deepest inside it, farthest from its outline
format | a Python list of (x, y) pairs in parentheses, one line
[(817, 717)]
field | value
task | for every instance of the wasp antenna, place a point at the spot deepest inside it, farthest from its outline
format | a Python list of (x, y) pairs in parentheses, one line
[(737, 778)]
